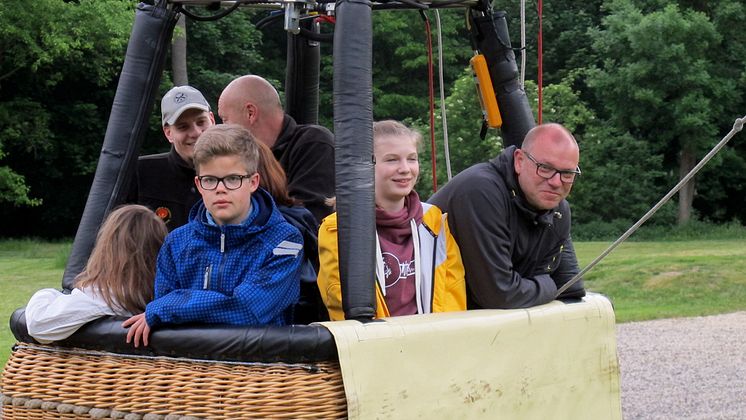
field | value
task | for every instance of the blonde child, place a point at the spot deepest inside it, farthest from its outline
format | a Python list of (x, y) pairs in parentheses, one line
[(418, 264), (117, 280)]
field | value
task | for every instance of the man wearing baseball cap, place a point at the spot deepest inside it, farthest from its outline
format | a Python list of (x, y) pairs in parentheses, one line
[(165, 181)]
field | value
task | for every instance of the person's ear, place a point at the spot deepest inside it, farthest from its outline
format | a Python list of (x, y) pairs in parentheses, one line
[(517, 160), (212, 117), (252, 112), (167, 131), (254, 182), (196, 182)]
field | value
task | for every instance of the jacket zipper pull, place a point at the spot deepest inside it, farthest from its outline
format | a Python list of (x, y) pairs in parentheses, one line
[(222, 242), (206, 281)]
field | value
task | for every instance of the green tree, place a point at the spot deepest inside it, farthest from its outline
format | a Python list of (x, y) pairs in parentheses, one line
[(216, 52), (566, 40), (464, 119), (658, 80), (722, 183), (58, 63), (621, 179), (222, 50), (24, 47), (400, 75)]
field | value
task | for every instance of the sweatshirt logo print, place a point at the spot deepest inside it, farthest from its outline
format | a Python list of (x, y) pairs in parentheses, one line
[(287, 248), (395, 270)]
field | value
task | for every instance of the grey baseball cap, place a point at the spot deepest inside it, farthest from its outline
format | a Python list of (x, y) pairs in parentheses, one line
[(179, 99)]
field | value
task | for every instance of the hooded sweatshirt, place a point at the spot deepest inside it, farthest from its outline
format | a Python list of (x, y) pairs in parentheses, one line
[(397, 248)]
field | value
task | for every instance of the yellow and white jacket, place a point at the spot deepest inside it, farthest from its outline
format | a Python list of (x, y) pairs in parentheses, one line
[(439, 274)]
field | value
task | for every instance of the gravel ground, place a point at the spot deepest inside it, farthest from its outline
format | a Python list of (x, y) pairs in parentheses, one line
[(684, 368)]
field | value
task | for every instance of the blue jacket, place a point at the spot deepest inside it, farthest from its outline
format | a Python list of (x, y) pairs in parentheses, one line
[(245, 274)]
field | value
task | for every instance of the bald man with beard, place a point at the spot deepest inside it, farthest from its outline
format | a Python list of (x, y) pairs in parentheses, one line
[(305, 151)]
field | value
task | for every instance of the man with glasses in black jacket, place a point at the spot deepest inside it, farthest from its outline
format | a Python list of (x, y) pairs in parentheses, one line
[(512, 222)]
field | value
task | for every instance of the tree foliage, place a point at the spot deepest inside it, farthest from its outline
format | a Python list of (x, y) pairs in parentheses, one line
[(565, 37), (58, 63), (464, 119), (638, 82), (400, 59), (660, 62), (217, 52)]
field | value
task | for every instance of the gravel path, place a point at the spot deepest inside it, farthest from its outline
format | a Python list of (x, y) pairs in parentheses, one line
[(684, 368)]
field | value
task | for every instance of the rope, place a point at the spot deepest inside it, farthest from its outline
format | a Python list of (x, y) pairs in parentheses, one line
[(443, 114), (737, 126), (216, 16), (541, 66), (79, 410), (431, 97), (523, 44)]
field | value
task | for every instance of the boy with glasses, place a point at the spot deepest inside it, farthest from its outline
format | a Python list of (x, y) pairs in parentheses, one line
[(238, 260), (512, 222)]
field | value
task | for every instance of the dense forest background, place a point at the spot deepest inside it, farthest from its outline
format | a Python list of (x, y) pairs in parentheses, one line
[(648, 87)]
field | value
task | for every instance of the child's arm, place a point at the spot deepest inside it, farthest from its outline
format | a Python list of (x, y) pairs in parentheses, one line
[(260, 298), (53, 316), (165, 281)]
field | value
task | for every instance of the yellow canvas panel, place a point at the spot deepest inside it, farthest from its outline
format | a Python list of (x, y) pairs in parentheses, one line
[(555, 361)]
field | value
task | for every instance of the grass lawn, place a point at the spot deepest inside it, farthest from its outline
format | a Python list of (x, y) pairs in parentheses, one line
[(649, 280), (644, 280), (25, 267)]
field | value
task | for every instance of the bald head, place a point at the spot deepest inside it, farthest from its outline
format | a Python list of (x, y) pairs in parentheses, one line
[(252, 102), (551, 133)]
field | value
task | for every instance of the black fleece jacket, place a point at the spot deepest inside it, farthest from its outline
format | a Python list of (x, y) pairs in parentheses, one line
[(165, 183), (306, 153), (514, 256)]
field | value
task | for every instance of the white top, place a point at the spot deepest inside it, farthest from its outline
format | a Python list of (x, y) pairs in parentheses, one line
[(52, 315)]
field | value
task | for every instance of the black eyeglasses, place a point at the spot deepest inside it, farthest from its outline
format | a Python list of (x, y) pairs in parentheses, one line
[(231, 182), (547, 172)]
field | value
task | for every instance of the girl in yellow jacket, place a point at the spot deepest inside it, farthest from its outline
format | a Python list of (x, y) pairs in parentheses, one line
[(418, 264)]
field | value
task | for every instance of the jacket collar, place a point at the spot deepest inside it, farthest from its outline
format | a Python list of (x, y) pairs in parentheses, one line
[(263, 215), (175, 160), (286, 134)]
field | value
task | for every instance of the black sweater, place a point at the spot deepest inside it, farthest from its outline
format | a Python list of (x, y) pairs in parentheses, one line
[(165, 183), (306, 153)]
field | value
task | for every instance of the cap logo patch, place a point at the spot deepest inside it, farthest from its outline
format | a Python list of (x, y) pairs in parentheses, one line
[(180, 97)]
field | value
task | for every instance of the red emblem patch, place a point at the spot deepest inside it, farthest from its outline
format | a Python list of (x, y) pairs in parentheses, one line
[(164, 213)]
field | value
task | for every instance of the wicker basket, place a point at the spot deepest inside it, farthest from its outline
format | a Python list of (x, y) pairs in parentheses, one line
[(51, 382)]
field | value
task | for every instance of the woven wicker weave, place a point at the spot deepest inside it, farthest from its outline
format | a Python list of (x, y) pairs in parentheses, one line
[(48, 382)]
